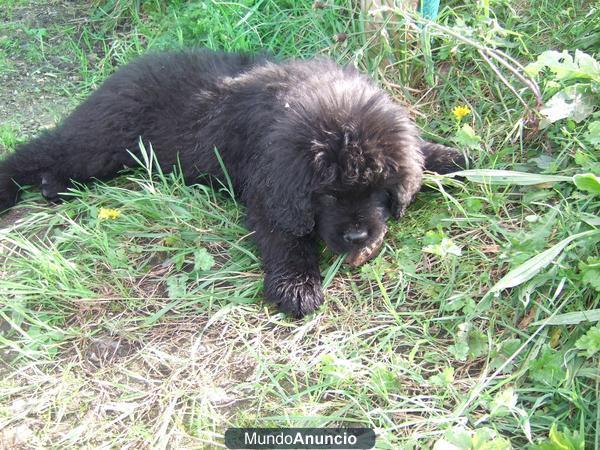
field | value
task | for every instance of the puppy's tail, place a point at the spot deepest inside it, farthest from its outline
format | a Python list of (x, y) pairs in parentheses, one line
[(23, 167)]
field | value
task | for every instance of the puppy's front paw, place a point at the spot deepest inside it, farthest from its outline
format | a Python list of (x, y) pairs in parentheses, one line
[(52, 187), (297, 294), (9, 193)]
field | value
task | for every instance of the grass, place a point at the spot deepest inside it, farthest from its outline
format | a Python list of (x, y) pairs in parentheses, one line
[(149, 329)]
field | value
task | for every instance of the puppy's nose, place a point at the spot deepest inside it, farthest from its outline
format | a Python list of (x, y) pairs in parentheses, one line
[(356, 236)]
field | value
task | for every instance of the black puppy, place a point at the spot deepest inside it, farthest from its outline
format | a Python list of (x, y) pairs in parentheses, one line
[(313, 149)]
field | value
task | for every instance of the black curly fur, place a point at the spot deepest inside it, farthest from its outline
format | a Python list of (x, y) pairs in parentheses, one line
[(313, 149)]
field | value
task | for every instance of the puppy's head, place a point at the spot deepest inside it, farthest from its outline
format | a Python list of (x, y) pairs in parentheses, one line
[(349, 221), (368, 167), (342, 158)]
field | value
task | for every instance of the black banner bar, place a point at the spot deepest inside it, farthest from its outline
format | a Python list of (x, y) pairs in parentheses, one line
[(299, 438)]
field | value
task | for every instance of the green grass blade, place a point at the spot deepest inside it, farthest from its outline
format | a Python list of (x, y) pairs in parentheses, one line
[(572, 318), (533, 266), (507, 177), (229, 187)]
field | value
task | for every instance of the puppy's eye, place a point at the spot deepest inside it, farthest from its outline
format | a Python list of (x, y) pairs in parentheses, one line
[(382, 197)]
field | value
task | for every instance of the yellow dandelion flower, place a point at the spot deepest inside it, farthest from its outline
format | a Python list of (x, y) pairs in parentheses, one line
[(108, 213), (461, 111)]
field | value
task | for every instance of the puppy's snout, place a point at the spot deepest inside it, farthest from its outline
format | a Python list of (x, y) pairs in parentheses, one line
[(356, 237)]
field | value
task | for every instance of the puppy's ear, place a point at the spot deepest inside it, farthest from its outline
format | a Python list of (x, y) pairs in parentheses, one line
[(442, 159), (404, 193), (288, 180), (436, 158)]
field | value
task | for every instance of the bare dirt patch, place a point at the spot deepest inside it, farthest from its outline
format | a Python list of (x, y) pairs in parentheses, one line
[(33, 76)]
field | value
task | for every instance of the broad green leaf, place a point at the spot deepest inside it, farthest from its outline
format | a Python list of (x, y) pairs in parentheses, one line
[(507, 177), (567, 440), (203, 260), (457, 302), (487, 439), (383, 380), (590, 341), (544, 162), (463, 439), (460, 350), (561, 63), (590, 272), (336, 369), (587, 65), (478, 343), (473, 204), (593, 133), (504, 402), (455, 439), (573, 102), (566, 67), (587, 182), (467, 137), (572, 318), (177, 286), (547, 368), (443, 379), (444, 249), (590, 219), (433, 237), (503, 352), (533, 266), (469, 342)]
